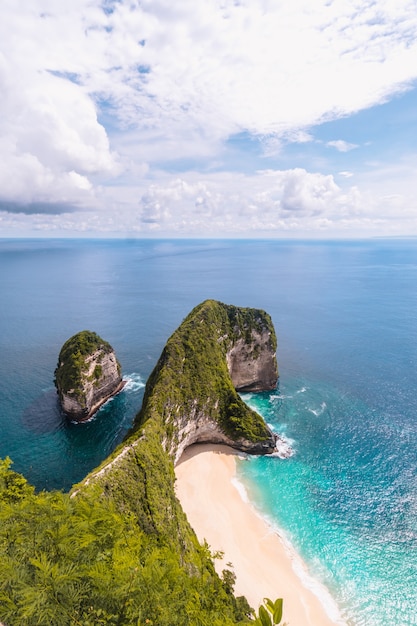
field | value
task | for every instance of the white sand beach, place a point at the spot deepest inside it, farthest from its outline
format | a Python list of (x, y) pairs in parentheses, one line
[(262, 563)]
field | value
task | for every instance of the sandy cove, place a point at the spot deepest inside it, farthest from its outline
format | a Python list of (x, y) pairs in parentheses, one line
[(219, 514)]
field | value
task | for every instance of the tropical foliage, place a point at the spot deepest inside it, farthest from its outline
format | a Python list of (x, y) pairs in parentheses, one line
[(79, 561), (270, 613)]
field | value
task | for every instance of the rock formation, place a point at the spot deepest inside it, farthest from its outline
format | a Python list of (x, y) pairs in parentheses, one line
[(192, 393), (87, 375), (251, 358)]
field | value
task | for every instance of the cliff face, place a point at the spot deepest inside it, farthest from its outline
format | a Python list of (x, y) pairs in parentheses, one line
[(199, 428), (87, 375), (217, 349), (252, 361)]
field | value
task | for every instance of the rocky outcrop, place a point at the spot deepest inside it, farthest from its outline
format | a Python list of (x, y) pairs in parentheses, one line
[(192, 393), (199, 428), (87, 375), (252, 360)]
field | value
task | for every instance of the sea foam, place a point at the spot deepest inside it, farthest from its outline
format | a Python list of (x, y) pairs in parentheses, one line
[(297, 563)]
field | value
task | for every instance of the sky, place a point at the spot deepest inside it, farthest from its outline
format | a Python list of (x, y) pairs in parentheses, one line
[(208, 118)]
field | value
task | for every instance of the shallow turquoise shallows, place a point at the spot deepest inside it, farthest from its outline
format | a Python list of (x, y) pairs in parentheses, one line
[(346, 319)]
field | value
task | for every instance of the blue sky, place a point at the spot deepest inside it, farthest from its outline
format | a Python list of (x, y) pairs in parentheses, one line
[(237, 118)]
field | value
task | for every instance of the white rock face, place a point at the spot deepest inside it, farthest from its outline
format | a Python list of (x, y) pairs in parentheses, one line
[(198, 428), (253, 366), (101, 380)]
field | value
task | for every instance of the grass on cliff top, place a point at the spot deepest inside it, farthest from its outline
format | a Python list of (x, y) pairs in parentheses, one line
[(191, 376), (72, 359)]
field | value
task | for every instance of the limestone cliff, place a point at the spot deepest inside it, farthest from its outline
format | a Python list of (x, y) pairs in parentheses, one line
[(251, 358), (192, 391), (87, 375)]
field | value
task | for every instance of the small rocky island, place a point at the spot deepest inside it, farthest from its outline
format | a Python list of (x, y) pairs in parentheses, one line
[(87, 375)]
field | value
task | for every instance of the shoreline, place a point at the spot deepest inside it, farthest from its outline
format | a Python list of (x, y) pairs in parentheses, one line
[(265, 565)]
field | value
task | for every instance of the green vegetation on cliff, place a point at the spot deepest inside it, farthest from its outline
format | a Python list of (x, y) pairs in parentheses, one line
[(82, 562), (72, 363), (119, 550), (192, 377)]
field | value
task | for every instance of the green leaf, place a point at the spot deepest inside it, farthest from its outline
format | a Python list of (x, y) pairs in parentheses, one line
[(277, 613), (275, 608), (269, 605), (264, 616)]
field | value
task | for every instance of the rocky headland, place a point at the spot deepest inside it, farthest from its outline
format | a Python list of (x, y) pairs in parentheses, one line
[(191, 397), (217, 350), (87, 375)]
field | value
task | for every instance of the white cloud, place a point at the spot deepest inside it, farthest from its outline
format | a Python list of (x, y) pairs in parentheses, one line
[(260, 66), (90, 94), (267, 201), (268, 68), (341, 145), (51, 140), (270, 203)]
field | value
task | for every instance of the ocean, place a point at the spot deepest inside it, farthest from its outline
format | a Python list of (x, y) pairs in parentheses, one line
[(345, 313)]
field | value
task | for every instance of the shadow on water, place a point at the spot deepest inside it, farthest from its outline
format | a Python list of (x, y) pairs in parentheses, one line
[(74, 448), (104, 430), (44, 415)]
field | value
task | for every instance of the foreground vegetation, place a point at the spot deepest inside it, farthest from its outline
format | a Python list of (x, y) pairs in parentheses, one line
[(81, 561), (118, 550)]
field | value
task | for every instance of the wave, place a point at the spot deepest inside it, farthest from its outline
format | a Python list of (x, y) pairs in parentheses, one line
[(284, 450), (134, 382), (299, 566), (280, 396), (318, 412), (309, 582), (241, 489)]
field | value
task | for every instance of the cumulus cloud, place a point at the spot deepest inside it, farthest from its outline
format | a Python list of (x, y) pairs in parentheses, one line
[(341, 145), (270, 200), (97, 93), (269, 203), (51, 140)]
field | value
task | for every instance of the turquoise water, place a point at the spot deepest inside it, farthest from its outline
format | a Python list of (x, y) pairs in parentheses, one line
[(345, 315), (346, 500)]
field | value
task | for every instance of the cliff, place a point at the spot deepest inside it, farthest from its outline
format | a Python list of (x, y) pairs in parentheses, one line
[(251, 356), (217, 349), (87, 375)]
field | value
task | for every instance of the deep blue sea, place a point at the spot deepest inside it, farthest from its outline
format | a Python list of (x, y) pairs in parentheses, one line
[(346, 319)]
